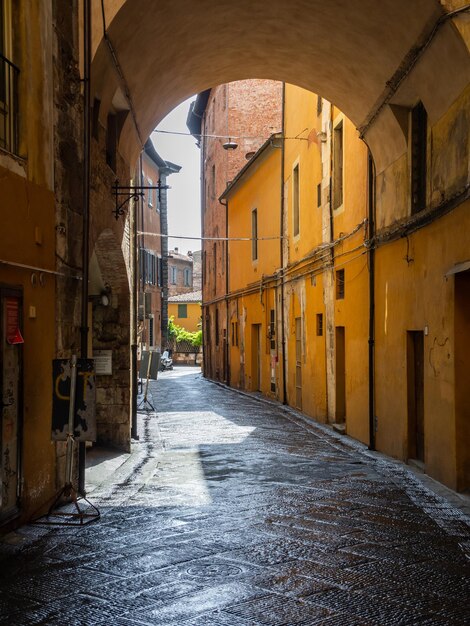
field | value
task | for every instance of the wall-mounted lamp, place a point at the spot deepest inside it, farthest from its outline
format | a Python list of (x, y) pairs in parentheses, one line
[(230, 145), (105, 298)]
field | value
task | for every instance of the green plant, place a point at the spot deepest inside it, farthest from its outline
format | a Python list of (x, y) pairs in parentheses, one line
[(178, 333)]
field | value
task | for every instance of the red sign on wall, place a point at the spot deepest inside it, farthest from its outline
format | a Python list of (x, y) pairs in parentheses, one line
[(12, 315)]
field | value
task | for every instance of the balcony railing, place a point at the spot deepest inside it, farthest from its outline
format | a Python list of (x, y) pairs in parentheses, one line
[(8, 105)]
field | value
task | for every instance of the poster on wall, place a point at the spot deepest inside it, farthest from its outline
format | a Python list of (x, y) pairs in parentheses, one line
[(85, 415), (12, 314)]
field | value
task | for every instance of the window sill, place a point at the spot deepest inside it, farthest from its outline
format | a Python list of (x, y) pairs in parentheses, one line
[(13, 162)]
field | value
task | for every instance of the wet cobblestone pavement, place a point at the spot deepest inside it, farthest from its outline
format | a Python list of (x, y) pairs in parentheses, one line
[(233, 512)]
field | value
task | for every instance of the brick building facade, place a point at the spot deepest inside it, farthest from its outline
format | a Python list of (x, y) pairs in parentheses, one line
[(153, 259), (246, 112), (180, 272)]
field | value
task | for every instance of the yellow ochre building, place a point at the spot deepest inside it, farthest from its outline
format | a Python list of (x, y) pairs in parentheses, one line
[(350, 312)]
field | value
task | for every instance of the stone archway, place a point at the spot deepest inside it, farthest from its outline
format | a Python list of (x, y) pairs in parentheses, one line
[(109, 299), (366, 57)]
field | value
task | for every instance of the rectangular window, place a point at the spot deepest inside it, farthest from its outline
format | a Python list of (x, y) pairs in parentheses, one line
[(272, 329), (254, 234), (182, 311), (319, 195), (235, 334), (319, 324), (338, 166), (9, 76), (340, 284), (148, 267), (296, 200), (418, 157), (187, 277), (173, 275)]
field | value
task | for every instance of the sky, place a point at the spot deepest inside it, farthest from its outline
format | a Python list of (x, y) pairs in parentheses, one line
[(184, 200)]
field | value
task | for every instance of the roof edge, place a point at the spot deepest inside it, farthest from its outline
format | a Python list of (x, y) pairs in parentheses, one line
[(269, 143)]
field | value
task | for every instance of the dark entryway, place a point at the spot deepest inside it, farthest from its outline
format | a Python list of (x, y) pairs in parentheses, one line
[(415, 374)]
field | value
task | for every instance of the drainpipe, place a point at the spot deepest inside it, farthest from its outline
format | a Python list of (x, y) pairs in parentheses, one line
[(227, 359), (205, 347), (134, 318), (86, 213), (371, 254), (281, 230)]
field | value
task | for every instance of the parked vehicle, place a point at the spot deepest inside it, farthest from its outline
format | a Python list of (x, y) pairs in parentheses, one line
[(166, 362)]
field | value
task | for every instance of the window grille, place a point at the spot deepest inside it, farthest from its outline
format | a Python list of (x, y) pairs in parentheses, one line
[(9, 76)]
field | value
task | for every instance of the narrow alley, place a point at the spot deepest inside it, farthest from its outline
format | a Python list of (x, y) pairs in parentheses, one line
[(231, 511)]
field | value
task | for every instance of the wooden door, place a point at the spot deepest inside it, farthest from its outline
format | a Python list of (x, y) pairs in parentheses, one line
[(255, 357), (340, 366), (415, 392), (462, 378)]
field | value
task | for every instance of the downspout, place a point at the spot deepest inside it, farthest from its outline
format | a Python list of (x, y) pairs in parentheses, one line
[(86, 213), (281, 240), (227, 359), (203, 254), (134, 318), (371, 254), (163, 198), (143, 276)]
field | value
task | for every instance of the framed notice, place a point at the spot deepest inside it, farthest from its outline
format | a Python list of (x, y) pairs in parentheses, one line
[(103, 362)]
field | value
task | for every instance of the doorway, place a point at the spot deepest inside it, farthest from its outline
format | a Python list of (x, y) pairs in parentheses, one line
[(415, 393), (462, 369), (255, 357), (298, 363), (340, 365), (11, 402)]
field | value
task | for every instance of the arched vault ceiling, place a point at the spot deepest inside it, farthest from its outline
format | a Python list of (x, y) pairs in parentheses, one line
[(346, 50)]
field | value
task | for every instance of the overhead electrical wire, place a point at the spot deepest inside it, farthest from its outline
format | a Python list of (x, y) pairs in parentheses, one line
[(162, 235), (208, 136)]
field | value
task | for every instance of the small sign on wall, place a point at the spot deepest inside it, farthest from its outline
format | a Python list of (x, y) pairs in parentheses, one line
[(103, 362)]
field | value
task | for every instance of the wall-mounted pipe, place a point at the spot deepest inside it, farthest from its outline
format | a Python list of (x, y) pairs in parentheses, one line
[(281, 243), (371, 189), (227, 342), (86, 212)]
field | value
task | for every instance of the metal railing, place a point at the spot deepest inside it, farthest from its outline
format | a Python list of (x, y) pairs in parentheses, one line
[(9, 74)]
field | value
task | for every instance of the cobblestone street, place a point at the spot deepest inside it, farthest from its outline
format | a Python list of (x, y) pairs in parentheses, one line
[(235, 512)]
